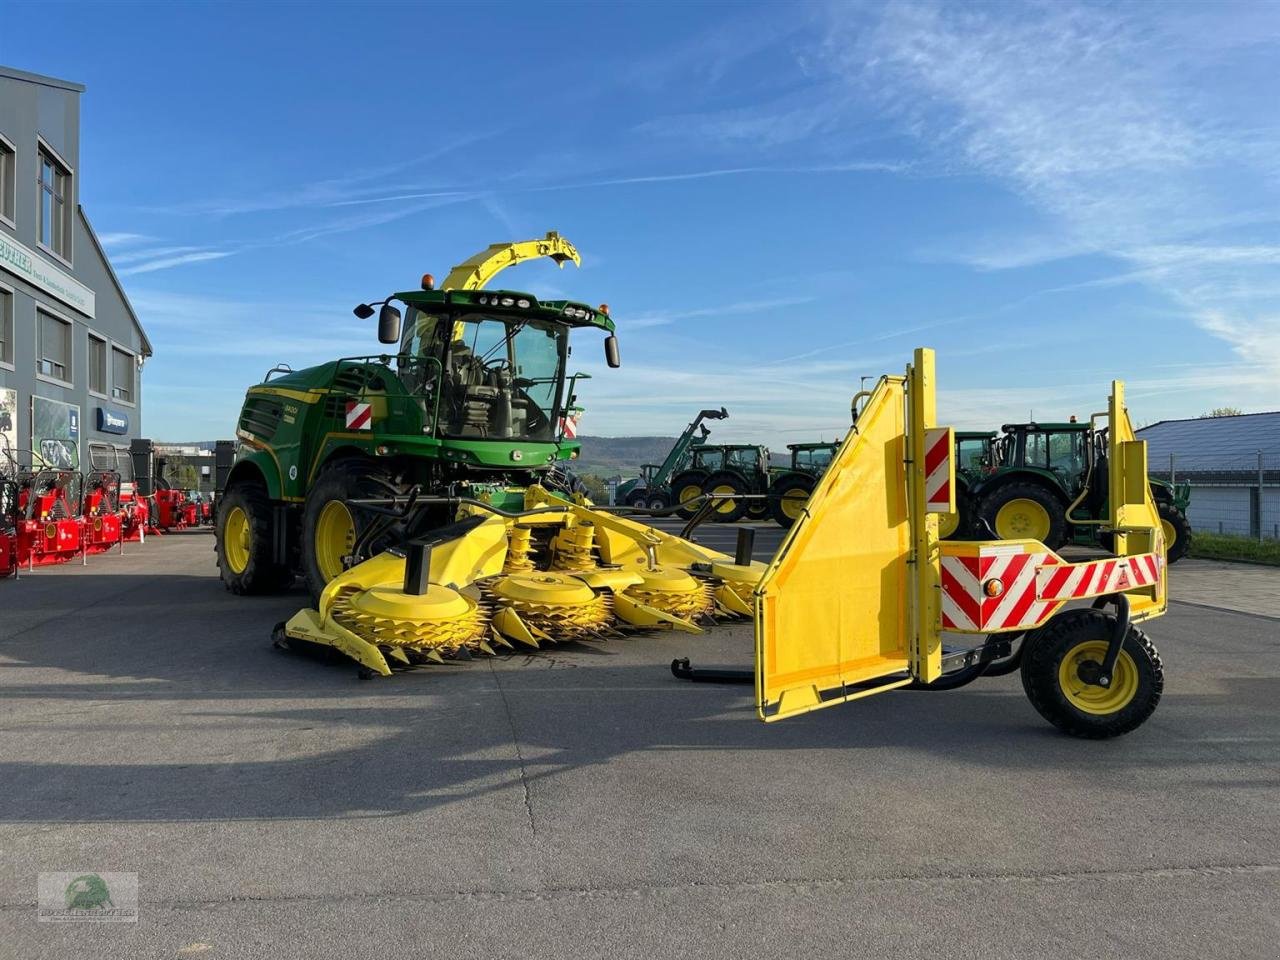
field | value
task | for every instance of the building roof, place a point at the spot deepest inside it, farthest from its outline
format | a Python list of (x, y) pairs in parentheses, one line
[(1213, 443), (13, 74), (97, 245)]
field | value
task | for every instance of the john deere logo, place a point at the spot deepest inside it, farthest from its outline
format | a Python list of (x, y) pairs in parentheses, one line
[(88, 892)]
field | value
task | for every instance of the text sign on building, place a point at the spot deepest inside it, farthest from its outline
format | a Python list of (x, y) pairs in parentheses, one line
[(27, 265), (112, 421)]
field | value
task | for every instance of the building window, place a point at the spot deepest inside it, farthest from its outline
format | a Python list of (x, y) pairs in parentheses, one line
[(124, 369), (97, 365), (8, 179), (55, 205), (6, 327), (54, 356)]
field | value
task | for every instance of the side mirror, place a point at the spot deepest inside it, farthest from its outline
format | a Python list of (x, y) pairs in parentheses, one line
[(363, 311), (388, 324), (611, 355)]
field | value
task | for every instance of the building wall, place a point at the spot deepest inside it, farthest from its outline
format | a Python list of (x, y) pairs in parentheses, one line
[(35, 111)]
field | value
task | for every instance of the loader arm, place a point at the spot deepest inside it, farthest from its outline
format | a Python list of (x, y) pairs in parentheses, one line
[(476, 271)]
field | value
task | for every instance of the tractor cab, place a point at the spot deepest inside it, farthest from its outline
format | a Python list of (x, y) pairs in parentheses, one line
[(812, 458), (1059, 448)]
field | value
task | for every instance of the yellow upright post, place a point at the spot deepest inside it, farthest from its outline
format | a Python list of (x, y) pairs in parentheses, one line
[(926, 607)]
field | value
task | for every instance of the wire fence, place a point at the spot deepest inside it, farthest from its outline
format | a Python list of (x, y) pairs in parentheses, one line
[(1239, 496)]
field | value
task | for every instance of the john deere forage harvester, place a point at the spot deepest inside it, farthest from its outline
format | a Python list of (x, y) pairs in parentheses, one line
[(348, 469)]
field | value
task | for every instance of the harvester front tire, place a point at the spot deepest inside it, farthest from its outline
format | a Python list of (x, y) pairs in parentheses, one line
[(244, 543), (1177, 531), (1025, 511), (686, 485), (325, 514), (728, 483), (787, 499), (1050, 675)]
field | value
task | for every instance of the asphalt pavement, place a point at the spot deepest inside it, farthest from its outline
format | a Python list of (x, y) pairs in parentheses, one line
[(581, 802)]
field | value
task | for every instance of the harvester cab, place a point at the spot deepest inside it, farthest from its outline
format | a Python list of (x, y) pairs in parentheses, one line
[(789, 488), (862, 593), (653, 488), (473, 404)]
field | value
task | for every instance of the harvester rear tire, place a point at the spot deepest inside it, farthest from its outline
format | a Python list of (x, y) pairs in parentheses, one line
[(691, 481), (787, 496), (1054, 533), (337, 483), (729, 483), (1050, 660), (1177, 531), (249, 569)]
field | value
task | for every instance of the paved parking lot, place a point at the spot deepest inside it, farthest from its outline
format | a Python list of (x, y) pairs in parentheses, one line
[(582, 803)]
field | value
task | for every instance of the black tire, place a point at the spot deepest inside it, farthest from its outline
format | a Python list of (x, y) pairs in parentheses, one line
[(682, 484), (727, 482), (1176, 520), (792, 487), (657, 500), (338, 482), (1138, 668), (1006, 493), (757, 509), (636, 497), (964, 518), (259, 574)]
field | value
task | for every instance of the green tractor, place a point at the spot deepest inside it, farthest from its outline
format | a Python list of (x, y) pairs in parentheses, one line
[(1048, 482), (790, 488), (472, 402), (652, 489), (726, 470), (975, 459)]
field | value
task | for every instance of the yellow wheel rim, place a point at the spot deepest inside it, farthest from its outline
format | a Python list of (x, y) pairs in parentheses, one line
[(1022, 519), (689, 491), (792, 504), (948, 523), (335, 537), (1087, 698), (1170, 534), (724, 506), (236, 540)]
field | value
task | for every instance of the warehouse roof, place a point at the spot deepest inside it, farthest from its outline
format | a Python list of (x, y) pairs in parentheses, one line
[(1213, 443)]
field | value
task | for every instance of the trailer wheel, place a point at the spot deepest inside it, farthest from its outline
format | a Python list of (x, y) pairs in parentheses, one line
[(1177, 531), (787, 499), (685, 487), (1025, 511), (244, 543), (727, 483), (329, 526), (1057, 654)]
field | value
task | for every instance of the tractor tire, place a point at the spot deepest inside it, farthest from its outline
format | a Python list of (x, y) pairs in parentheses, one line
[(329, 527), (1025, 511), (1177, 531), (958, 525), (787, 499), (637, 498), (1050, 675), (728, 482), (758, 510), (685, 486), (657, 500), (243, 543)]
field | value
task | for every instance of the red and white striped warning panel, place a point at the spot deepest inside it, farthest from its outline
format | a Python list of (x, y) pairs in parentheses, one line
[(1003, 588), (359, 415), (939, 473), (569, 426)]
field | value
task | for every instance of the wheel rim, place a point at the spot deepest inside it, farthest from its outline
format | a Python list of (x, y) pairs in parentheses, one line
[(335, 536), (1099, 701), (947, 524), (656, 503), (792, 504), (1170, 534), (1022, 519), (235, 540), (724, 506), (689, 491)]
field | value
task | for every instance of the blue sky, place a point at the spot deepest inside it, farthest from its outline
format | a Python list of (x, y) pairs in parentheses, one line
[(775, 199)]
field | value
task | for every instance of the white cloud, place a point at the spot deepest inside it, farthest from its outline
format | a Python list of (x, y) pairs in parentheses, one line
[(165, 263)]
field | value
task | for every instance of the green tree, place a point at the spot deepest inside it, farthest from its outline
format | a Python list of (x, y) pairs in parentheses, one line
[(1221, 412)]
